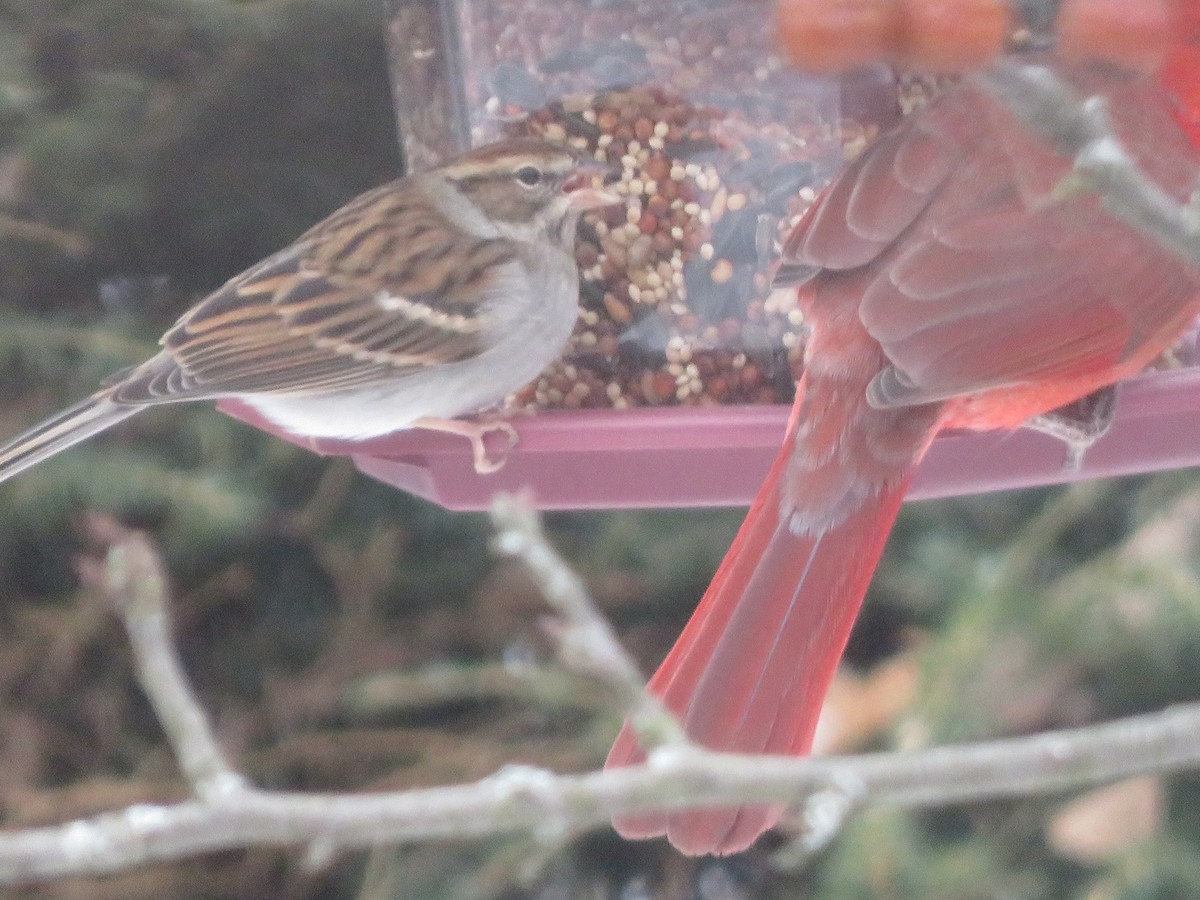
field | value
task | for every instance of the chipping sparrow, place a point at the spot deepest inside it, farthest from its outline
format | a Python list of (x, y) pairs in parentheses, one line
[(424, 299)]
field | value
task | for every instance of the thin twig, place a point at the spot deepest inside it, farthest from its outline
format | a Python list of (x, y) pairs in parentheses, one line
[(71, 243), (1081, 129), (389, 693), (135, 585), (586, 642)]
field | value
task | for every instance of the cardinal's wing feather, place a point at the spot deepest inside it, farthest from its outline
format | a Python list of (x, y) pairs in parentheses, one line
[(994, 280)]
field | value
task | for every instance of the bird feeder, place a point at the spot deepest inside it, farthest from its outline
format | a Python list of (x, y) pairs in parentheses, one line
[(676, 385)]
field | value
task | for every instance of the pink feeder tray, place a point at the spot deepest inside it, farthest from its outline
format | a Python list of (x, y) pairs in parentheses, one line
[(718, 456)]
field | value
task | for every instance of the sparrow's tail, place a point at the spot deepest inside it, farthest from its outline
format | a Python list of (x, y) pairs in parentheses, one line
[(61, 431), (751, 669)]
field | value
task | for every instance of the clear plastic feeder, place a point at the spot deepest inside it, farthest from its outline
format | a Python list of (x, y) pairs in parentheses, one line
[(675, 387)]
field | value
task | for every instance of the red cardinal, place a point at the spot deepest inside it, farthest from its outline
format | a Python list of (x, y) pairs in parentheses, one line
[(952, 289)]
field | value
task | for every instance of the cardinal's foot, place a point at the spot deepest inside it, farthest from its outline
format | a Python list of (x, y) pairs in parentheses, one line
[(1079, 424)]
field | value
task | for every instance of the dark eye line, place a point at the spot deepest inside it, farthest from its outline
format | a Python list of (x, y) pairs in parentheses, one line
[(530, 176)]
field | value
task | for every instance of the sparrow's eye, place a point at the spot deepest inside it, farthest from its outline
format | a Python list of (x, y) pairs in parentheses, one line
[(530, 176)]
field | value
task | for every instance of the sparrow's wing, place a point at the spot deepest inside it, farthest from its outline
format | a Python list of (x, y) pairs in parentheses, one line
[(381, 289)]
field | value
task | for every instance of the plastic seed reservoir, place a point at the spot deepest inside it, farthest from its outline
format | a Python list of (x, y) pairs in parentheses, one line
[(676, 384)]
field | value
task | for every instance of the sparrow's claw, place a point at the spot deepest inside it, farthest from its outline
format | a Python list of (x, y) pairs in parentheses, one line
[(485, 464), (475, 432)]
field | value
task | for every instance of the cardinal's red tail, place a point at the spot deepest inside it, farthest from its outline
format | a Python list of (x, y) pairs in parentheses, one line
[(751, 669)]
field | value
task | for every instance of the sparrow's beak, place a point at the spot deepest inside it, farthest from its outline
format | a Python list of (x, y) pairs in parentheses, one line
[(592, 198), (580, 189)]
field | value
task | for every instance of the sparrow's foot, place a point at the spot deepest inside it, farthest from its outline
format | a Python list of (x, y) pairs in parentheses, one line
[(1079, 424), (475, 432)]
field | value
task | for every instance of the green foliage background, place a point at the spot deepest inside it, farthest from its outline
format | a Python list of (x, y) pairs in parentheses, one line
[(346, 636)]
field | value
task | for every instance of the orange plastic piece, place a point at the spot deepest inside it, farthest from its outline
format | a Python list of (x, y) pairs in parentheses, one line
[(1137, 35), (950, 35), (833, 35), (957, 35)]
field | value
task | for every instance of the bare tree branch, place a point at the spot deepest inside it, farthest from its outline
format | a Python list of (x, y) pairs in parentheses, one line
[(531, 801)]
